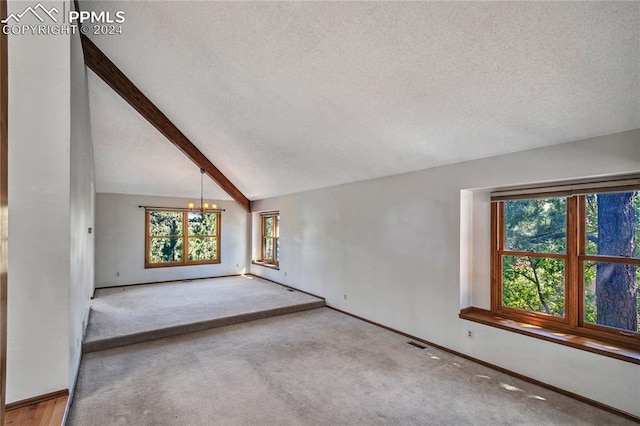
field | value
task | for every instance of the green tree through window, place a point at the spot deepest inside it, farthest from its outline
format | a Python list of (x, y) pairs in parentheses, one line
[(535, 282), (176, 238), (570, 261), (270, 225), (611, 288)]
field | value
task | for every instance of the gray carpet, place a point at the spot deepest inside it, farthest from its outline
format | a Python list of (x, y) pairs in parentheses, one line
[(317, 367), (126, 315)]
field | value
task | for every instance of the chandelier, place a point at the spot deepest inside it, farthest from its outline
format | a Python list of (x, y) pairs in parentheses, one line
[(204, 207)]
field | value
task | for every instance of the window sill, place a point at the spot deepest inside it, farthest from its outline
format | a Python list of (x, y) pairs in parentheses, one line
[(174, 265), (266, 265), (601, 347)]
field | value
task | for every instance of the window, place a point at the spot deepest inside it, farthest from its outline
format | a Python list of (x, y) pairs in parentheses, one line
[(178, 238), (270, 238), (569, 261)]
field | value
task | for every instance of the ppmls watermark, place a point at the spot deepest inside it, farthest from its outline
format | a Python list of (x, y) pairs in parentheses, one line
[(53, 22)]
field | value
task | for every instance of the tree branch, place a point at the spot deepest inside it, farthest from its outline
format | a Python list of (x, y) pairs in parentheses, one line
[(539, 288)]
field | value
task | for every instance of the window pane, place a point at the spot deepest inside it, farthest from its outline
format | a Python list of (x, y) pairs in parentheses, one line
[(277, 249), (613, 224), (268, 226), (611, 295), (538, 225), (277, 226), (165, 250), (163, 224), (268, 249), (203, 224), (533, 284), (203, 248)]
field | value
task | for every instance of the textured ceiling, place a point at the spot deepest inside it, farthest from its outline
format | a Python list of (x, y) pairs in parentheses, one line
[(285, 97), (132, 157)]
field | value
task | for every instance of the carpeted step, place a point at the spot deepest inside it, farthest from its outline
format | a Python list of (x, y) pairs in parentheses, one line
[(129, 339)]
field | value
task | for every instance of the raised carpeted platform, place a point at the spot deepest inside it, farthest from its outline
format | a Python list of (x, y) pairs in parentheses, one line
[(126, 315)]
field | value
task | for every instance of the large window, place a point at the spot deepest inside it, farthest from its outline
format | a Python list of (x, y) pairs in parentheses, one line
[(178, 238), (270, 238), (569, 262)]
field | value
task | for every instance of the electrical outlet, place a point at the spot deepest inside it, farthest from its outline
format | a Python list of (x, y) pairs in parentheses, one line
[(117, 274), (470, 334), (285, 274), (345, 297), (237, 265)]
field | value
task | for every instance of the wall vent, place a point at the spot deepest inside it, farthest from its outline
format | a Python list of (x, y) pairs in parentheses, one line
[(417, 345)]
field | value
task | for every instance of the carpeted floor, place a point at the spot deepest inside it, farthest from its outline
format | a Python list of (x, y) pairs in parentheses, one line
[(317, 367), (125, 315)]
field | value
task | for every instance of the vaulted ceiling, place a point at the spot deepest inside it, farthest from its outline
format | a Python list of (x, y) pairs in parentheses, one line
[(286, 97)]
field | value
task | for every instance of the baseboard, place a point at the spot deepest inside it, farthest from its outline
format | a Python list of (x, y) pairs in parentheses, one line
[(163, 282), (519, 376), (36, 399), (287, 286)]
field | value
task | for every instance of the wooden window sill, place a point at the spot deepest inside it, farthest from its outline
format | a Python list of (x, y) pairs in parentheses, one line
[(266, 265), (601, 347), (172, 265)]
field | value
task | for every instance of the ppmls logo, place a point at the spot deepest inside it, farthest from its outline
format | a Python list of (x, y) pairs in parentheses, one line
[(34, 11), (95, 22)]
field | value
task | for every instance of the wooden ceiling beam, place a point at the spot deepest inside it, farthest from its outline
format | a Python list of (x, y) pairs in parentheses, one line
[(99, 63)]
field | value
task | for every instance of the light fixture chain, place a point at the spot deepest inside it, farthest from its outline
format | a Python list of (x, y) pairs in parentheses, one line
[(203, 207)]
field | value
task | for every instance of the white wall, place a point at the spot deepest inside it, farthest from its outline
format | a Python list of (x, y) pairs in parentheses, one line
[(120, 241), (39, 229), (81, 214), (392, 245), (479, 258)]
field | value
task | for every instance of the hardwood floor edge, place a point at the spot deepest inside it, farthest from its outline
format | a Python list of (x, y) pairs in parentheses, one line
[(36, 399), (519, 376)]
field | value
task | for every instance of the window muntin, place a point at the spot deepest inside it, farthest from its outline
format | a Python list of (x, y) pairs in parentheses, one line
[(178, 238), (270, 238), (574, 267)]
